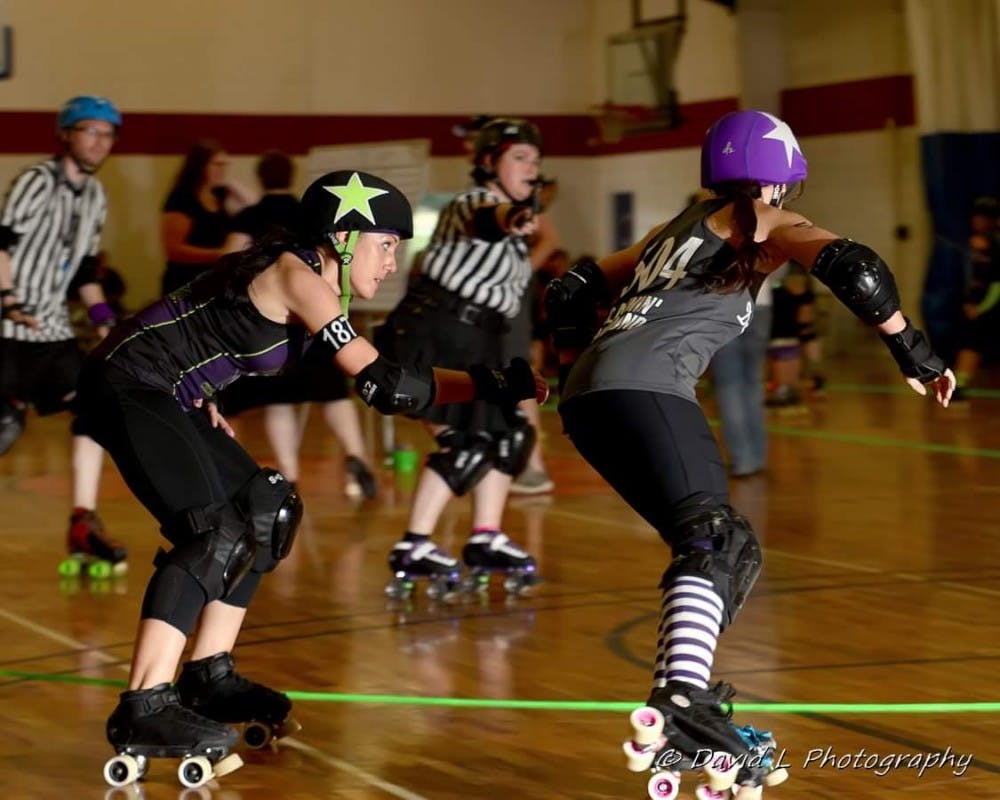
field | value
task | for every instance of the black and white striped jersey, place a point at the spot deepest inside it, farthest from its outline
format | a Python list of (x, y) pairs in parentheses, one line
[(491, 274), (52, 226)]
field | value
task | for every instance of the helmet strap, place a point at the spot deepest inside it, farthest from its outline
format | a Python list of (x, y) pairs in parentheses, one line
[(345, 252), (778, 195)]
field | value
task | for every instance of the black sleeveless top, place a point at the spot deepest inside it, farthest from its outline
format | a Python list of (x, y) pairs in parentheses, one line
[(193, 343)]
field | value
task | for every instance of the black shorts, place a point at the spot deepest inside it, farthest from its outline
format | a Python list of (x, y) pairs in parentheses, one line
[(316, 379), (40, 373), (424, 332), (656, 450)]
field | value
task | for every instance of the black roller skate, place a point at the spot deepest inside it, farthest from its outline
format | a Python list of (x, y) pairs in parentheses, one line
[(410, 561), (152, 723), (493, 551), (212, 687), (91, 548), (684, 728), (360, 482)]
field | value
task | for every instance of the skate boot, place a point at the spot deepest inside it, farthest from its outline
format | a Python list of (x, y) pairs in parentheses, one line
[(360, 482), (91, 548), (213, 688), (492, 551), (684, 728), (151, 723), (412, 560)]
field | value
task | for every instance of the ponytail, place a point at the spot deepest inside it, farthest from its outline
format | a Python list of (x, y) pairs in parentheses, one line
[(738, 274)]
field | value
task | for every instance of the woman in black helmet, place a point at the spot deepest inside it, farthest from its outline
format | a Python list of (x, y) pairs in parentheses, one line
[(147, 396), (473, 277)]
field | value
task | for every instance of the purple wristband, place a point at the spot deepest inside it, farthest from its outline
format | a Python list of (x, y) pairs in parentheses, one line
[(101, 314)]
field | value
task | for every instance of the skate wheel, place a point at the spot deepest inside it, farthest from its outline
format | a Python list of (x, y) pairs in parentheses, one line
[(119, 569), (721, 771), (194, 771), (121, 770), (256, 735), (704, 792), (70, 567), (637, 758), (663, 786), (776, 776), (143, 763), (399, 589), (200, 793), (224, 766), (647, 725), (99, 569)]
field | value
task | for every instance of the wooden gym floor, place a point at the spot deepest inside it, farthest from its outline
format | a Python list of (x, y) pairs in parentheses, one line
[(879, 521)]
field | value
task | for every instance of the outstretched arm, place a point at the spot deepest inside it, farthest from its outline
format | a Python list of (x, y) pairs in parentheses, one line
[(863, 282)]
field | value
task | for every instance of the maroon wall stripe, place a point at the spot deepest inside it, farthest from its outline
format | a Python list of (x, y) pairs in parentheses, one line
[(849, 107), (835, 108)]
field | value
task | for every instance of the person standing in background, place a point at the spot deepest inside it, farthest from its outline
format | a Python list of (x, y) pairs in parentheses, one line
[(50, 234)]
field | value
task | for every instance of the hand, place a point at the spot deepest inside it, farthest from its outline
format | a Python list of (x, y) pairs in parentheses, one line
[(520, 220), (18, 317), (103, 331), (217, 420), (941, 387)]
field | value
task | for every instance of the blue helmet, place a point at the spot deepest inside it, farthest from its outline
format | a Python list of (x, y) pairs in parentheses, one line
[(88, 106)]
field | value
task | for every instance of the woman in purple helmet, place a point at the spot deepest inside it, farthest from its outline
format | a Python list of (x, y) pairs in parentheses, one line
[(686, 289)]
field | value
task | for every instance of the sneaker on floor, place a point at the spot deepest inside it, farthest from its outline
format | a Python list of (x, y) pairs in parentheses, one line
[(532, 481)]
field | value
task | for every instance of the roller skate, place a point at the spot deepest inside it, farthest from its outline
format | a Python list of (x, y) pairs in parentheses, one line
[(91, 549), (152, 723), (359, 482), (213, 688), (683, 728), (412, 560), (487, 552)]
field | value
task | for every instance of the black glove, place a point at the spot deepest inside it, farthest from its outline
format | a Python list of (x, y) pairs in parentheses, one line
[(914, 355), (571, 304), (504, 387)]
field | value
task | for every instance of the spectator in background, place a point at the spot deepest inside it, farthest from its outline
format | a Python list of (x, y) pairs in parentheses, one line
[(197, 212)]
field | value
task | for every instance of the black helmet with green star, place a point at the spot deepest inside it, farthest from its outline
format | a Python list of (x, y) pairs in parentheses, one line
[(349, 200)]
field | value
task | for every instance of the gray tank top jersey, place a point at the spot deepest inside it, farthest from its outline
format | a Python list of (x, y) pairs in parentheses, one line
[(664, 328)]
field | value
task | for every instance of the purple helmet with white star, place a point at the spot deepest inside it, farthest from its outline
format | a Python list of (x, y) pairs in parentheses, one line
[(751, 146)]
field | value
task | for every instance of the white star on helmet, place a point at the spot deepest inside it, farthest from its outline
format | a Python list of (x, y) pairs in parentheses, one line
[(782, 133)]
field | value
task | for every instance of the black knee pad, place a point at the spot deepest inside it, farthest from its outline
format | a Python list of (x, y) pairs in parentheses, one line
[(513, 449), (717, 544), (465, 462), (11, 424), (215, 545), (275, 511)]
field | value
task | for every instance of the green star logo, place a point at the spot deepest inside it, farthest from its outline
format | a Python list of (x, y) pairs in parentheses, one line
[(355, 196)]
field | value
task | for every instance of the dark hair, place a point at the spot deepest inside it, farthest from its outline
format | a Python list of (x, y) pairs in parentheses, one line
[(240, 268), (192, 172), (738, 274), (274, 170)]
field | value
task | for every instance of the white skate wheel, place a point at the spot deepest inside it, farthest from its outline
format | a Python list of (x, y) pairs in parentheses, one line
[(121, 770), (776, 776), (647, 724), (637, 759), (256, 735), (663, 786), (224, 766), (287, 728), (721, 771), (194, 771)]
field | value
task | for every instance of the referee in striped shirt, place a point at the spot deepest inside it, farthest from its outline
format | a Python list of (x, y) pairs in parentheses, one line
[(50, 234)]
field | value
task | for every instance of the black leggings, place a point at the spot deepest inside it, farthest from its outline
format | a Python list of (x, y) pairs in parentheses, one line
[(656, 450), (172, 460)]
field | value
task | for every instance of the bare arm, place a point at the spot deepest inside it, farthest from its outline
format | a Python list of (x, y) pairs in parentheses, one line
[(546, 241), (175, 228), (236, 241)]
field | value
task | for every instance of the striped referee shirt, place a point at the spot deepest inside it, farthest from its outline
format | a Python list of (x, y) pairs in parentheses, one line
[(55, 225), (491, 274)]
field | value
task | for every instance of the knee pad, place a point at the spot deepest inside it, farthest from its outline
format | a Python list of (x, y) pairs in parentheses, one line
[(11, 424), (465, 462), (275, 511), (215, 545), (717, 544), (514, 448)]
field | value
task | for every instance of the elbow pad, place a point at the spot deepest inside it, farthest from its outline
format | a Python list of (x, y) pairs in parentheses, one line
[(859, 278), (392, 389)]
